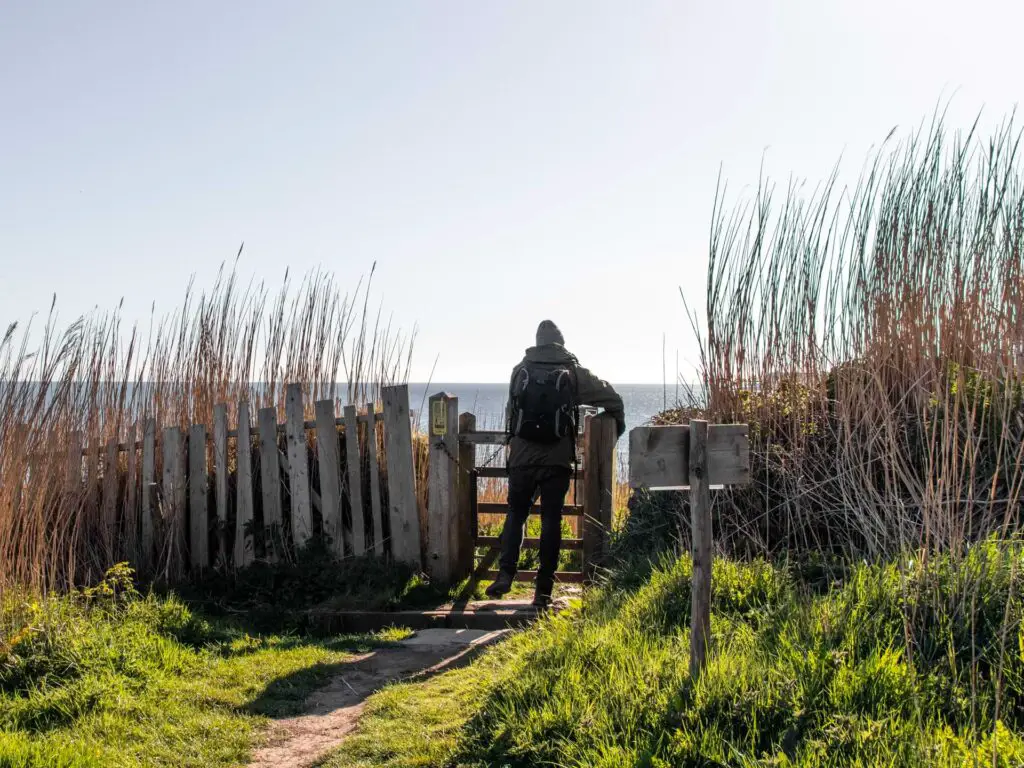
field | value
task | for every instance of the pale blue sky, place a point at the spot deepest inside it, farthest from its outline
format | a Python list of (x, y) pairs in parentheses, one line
[(501, 161)]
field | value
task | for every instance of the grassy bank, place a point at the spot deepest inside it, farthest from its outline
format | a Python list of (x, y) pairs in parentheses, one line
[(112, 678), (899, 666)]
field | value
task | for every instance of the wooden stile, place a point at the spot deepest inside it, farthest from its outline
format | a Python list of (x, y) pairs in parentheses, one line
[(148, 491), (355, 481), (244, 547), (270, 478), (330, 475), (222, 475), (198, 481), (377, 522), (403, 512), (298, 464)]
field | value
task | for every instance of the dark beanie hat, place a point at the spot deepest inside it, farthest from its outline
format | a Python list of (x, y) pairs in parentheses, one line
[(548, 333)]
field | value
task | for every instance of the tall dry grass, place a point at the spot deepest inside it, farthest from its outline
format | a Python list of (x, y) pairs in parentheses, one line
[(98, 378), (872, 337)]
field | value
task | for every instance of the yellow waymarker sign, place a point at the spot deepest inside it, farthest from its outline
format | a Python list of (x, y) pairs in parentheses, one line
[(438, 417)]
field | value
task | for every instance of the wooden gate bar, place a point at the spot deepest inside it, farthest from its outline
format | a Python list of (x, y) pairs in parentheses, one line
[(564, 577), (501, 507), (529, 542), (484, 437)]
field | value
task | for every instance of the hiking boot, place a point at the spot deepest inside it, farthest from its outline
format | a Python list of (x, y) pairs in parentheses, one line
[(542, 589), (500, 586)]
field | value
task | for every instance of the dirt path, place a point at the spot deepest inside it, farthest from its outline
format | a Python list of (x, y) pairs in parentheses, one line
[(333, 711)]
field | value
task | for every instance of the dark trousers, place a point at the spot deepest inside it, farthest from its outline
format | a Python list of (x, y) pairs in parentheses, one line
[(524, 484)]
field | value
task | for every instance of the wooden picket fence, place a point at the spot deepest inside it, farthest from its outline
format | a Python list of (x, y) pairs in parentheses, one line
[(191, 498)]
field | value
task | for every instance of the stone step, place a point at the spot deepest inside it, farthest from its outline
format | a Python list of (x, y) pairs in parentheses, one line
[(487, 615)]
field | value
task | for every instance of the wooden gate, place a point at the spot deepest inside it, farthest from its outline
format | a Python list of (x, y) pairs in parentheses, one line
[(454, 536)]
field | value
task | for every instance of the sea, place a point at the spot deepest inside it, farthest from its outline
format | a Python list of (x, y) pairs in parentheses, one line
[(487, 402)]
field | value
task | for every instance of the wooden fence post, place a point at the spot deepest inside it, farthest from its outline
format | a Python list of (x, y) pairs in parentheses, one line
[(244, 545), (198, 485), (330, 475), (270, 482), (298, 467), (442, 518), (700, 515), (463, 518), (402, 509), (599, 470)]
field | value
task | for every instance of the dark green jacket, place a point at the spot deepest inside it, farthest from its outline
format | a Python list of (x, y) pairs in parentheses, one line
[(591, 391)]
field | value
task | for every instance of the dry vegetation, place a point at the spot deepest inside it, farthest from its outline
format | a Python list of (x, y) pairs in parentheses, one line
[(873, 341), (94, 380)]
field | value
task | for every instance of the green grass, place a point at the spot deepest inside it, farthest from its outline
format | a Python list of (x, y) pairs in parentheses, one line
[(112, 678), (886, 668)]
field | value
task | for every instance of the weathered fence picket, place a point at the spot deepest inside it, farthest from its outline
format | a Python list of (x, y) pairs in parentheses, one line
[(270, 474), (110, 497), (221, 470), (376, 522), (173, 501), (148, 492), (329, 464), (355, 481), (298, 467), (402, 508), (129, 514), (198, 481), (244, 545)]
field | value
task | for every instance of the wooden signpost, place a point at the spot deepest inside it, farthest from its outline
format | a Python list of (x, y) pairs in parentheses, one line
[(697, 456)]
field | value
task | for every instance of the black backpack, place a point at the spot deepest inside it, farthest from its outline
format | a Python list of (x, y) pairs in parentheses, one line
[(543, 403)]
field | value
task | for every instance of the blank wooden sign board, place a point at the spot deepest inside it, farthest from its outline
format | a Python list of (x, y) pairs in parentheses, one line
[(697, 456)]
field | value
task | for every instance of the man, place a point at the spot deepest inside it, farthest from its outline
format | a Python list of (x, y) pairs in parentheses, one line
[(545, 392)]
